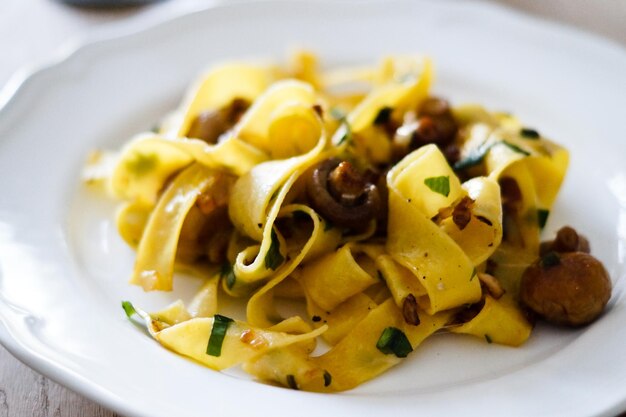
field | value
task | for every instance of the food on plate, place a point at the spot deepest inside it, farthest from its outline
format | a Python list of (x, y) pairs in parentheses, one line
[(387, 214), (566, 285)]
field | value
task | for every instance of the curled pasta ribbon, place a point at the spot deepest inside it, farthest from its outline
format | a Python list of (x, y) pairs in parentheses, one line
[(440, 232), (404, 84), (343, 318), (254, 204), (333, 278), (410, 176), (539, 171), (436, 261), (149, 160), (499, 321), (537, 167), (353, 360), (261, 309), (216, 89), (131, 220), (481, 236), (156, 253), (241, 343), (282, 122), (400, 281)]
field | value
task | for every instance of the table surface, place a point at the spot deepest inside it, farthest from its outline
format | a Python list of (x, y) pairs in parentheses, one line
[(30, 30)]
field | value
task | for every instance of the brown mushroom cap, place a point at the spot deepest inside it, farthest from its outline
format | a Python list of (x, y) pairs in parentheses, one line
[(210, 124), (341, 195), (567, 240), (569, 289)]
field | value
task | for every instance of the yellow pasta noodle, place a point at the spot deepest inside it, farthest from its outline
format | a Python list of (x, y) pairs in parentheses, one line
[(366, 218)]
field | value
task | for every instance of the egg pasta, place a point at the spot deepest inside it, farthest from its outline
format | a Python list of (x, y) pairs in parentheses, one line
[(386, 214)]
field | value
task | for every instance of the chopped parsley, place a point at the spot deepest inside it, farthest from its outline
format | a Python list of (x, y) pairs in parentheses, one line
[(274, 195), (347, 136), (218, 332), (273, 258), (477, 155), (542, 217), (142, 163), (439, 185), (383, 116), (474, 157), (128, 308), (393, 340), (228, 273), (328, 378), (474, 273), (327, 225), (515, 148), (529, 133), (339, 115), (291, 382), (488, 338)]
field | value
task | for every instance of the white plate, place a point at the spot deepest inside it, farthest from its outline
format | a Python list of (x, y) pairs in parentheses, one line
[(64, 269)]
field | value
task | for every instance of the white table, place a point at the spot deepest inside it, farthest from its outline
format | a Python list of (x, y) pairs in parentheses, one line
[(30, 32)]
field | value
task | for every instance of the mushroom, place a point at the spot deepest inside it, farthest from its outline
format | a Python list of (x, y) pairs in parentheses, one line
[(210, 124), (433, 123), (410, 310), (567, 240), (436, 123), (569, 288), (342, 194)]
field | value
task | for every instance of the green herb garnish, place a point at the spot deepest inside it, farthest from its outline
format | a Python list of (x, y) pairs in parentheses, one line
[(347, 136), (529, 133), (337, 113), (393, 340), (228, 273), (291, 382), (383, 116), (474, 157), (342, 118), (488, 338), (542, 217), (218, 332), (474, 273), (274, 195), (439, 185), (327, 225), (128, 308), (328, 378), (142, 163), (273, 258), (515, 148), (477, 155)]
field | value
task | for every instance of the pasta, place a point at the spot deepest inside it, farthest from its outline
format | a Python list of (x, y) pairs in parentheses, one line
[(386, 214)]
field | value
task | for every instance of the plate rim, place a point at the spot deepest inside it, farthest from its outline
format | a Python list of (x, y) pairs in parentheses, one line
[(20, 81)]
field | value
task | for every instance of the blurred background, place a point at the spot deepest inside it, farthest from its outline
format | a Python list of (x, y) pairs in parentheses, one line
[(33, 31)]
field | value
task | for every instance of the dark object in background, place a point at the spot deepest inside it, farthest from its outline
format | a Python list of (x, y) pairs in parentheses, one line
[(108, 3)]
